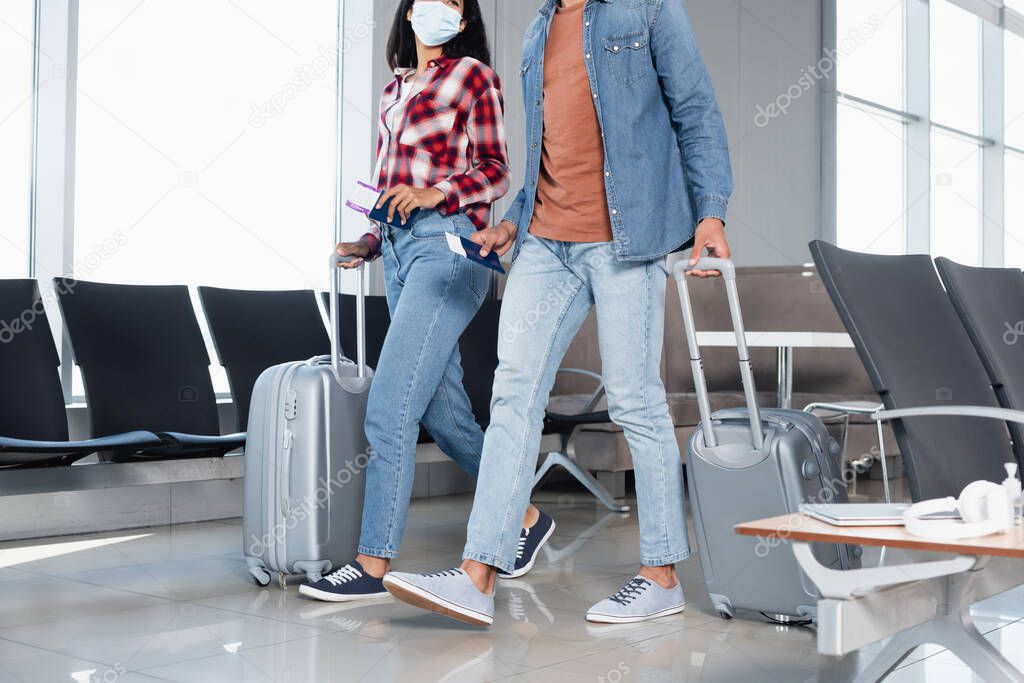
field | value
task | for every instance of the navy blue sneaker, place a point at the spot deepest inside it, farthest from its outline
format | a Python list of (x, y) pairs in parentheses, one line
[(530, 542), (345, 585)]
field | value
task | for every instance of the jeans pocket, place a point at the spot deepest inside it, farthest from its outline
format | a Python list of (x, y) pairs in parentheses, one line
[(479, 279), (479, 276), (392, 265), (432, 225)]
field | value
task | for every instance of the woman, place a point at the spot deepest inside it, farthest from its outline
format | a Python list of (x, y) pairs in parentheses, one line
[(441, 150)]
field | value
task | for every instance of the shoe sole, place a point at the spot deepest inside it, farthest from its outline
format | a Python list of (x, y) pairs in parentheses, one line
[(610, 619), (424, 599), (325, 596), (529, 565)]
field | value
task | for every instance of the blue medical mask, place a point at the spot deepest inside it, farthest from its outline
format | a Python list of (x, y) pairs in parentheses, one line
[(435, 23)]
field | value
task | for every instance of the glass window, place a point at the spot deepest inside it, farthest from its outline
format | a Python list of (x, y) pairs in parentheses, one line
[(213, 164), (955, 67), (1014, 79), (206, 144), (1013, 235), (16, 55), (956, 198), (869, 43), (870, 203)]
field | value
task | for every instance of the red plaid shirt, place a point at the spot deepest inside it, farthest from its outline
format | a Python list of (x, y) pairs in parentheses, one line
[(450, 136)]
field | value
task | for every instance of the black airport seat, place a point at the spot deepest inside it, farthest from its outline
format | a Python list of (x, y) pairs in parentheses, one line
[(990, 303), (918, 356), (33, 417), (144, 364), (378, 320), (478, 347), (253, 331)]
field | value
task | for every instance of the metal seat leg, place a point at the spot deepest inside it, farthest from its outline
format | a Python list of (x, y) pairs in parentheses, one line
[(581, 475)]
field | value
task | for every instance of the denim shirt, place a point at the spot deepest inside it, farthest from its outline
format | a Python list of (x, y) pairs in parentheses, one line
[(666, 152)]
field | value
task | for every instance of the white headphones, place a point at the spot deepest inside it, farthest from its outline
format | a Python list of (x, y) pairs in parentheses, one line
[(983, 506)]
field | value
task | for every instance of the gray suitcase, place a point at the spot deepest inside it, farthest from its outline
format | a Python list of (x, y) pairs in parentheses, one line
[(745, 464), (306, 458)]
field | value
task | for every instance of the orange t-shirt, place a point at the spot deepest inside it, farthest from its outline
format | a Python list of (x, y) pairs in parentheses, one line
[(571, 204)]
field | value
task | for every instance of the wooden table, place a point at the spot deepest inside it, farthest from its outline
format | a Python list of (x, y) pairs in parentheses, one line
[(918, 603), (784, 343)]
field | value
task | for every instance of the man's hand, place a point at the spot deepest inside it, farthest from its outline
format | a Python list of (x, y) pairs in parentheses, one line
[(409, 198), (359, 249), (498, 239), (711, 236)]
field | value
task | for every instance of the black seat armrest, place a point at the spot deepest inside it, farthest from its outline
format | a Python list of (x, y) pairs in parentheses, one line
[(227, 442), (556, 420), (129, 441)]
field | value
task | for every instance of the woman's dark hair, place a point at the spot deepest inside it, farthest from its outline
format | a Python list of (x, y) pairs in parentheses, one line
[(472, 42)]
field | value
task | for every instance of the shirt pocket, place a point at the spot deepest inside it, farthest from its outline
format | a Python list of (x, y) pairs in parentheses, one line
[(429, 126), (629, 57)]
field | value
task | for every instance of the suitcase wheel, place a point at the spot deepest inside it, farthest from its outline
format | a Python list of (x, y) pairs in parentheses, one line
[(260, 576), (722, 605)]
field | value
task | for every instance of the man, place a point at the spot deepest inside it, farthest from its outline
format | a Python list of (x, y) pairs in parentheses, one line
[(627, 161)]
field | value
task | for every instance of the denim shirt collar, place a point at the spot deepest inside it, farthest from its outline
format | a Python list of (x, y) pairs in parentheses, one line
[(550, 5)]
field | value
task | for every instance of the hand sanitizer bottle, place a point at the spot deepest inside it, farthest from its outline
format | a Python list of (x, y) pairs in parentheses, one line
[(1013, 491)]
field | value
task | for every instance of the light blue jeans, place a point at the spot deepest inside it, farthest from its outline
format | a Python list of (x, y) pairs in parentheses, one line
[(549, 294), (432, 295)]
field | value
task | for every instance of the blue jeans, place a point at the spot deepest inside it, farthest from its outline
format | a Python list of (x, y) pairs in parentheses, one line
[(549, 294), (432, 295)]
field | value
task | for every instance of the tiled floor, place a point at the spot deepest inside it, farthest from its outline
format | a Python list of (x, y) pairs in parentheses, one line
[(176, 604)]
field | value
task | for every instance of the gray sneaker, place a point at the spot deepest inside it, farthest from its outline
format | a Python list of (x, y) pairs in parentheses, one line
[(451, 593), (638, 600)]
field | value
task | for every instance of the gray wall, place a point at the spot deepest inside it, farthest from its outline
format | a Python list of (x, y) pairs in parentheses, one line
[(755, 50)]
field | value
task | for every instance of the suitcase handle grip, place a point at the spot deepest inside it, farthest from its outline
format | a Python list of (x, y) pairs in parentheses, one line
[(722, 265), (335, 263), (728, 270)]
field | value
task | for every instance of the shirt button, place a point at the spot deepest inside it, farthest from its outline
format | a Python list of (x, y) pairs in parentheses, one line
[(595, 96), (636, 44), (615, 212), (616, 48), (607, 174), (588, 55), (586, 23)]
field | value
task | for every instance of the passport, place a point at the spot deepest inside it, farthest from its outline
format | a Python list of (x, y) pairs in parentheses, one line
[(471, 250), (381, 215)]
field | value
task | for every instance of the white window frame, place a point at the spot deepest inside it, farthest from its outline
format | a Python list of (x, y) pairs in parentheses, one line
[(916, 116), (54, 123)]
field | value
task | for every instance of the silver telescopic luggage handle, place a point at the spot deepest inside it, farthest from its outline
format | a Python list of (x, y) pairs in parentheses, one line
[(336, 261), (728, 271)]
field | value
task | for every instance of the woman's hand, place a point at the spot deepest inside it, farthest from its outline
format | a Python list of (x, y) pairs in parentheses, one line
[(498, 239), (409, 198), (360, 249)]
